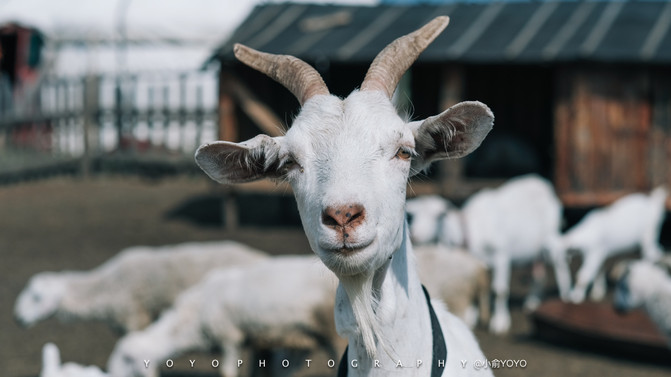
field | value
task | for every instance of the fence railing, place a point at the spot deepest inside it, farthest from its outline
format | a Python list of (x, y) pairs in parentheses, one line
[(79, 125)]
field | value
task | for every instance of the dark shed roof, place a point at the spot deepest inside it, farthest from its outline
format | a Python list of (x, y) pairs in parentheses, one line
[(619, 31)]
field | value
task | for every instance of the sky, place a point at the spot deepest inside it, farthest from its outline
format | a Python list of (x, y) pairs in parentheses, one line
[(203, 21), (82, 36)]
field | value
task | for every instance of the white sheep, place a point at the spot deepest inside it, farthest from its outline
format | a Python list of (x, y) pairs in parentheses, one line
[(426, 216), (285, 302), (130, 289), (52, 367), (458, 278), (515, 223), (348, 162), (633, 221), (646, 284)]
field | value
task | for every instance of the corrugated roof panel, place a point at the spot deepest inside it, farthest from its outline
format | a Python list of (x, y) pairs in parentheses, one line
[(386, 19), (280, 42), (661, 28), (545, 33), (459, 14), (531, 28), (603, 25), (317, 23), (549, 32), (283, 27), (589, 13), (664, 51), (477, 27), (402, 25), (329, 45), (502, 32), (257, 19), (630, 31), (578, 16)]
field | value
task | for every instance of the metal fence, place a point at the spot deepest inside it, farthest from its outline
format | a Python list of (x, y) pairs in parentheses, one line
[(150, 122)]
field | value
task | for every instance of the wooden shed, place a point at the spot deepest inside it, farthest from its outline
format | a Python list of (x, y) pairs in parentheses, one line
[(581, 90)]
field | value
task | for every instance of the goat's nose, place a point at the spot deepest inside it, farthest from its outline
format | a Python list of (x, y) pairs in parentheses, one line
[(346, 215)]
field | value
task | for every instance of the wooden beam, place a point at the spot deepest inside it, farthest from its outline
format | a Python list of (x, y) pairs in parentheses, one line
[(256, 110), (451, 172), (228, 125)]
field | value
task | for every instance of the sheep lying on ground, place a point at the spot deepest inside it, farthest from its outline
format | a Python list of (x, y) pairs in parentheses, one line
[(131, 289), (632, 221), (286, 302), (512, 224), (646, 284), (52, 367), (458, 278)]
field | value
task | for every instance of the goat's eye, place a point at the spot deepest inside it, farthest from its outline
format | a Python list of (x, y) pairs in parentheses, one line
[(290, 163), (403, 154)]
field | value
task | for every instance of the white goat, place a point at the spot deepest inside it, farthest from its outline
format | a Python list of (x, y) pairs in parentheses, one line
[(52, 367), (348, 162), (646, 284), (132, 288), (458, 278), (426, 216), (512, 224), (286, 302), (632, 221)]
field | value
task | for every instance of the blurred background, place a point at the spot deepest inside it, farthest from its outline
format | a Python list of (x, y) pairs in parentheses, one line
[(102, 105)]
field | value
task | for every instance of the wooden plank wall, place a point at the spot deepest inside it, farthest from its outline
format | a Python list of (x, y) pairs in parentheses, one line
[(611, 132), (660, 146)]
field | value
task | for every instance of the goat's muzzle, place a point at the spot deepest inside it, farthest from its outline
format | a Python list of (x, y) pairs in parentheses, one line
[(344, 220)]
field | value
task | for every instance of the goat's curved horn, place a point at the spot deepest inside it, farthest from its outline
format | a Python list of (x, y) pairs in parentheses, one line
[(296, 75), (391, 63)]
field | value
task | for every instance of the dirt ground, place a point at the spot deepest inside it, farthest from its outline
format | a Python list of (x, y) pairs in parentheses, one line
[(69, 223)]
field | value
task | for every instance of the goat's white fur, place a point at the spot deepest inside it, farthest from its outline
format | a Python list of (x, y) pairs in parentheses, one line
[(646, 284), (632, 221), (458, 278), (52, 367), (512, 224), (285, 302), (130, 289), (354, 153)]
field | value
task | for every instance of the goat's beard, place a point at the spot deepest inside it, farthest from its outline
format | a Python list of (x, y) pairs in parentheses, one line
[(364, 301)]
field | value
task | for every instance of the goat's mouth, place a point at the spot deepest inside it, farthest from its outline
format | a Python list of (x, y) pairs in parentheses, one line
[(347, 249), (346, 260)]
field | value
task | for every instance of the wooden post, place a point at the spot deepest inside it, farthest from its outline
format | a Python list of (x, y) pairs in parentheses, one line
[(182, 110), (660, 136), (230, 210), (451, 172), (564, 117), (228, 131), (90, 92), (228, 127), (118, 109)]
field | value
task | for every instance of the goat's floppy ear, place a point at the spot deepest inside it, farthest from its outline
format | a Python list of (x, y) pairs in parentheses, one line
[(453, 133), (227, 162)]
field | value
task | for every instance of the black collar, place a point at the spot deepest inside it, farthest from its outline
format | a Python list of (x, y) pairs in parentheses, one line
[(439, 346)]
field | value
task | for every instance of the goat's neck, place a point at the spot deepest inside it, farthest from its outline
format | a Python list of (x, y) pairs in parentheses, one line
[(404, 331)]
